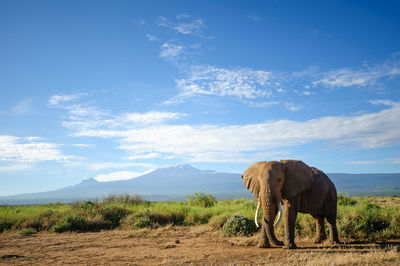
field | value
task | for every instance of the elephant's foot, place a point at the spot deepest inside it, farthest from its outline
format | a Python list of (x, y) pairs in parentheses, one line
[(278, 243), (264, 243), (335, 242), (320, 239), (290, 246)]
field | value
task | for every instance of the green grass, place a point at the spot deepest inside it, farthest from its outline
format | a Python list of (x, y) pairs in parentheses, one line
[(360, 218)]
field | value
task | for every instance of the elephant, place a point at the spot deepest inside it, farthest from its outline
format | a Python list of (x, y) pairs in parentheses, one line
[(300, 188)]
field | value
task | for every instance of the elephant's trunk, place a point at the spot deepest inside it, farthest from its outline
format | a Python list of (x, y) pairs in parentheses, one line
[(277, 220), (270, 210)]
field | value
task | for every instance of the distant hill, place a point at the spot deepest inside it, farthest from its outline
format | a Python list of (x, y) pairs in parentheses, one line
[(367, 184), (179, 181), (166, 183)]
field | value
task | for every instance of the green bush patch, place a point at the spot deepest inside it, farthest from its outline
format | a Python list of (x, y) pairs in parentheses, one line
[(27, 231), (202, 199), (238, 225)]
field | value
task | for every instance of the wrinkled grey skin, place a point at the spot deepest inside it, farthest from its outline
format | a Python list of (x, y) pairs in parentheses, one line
[(301, 189)]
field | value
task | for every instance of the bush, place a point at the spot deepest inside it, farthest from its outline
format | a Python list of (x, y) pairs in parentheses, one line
[(71, 223), (142, 222), (218, 221), (5, 225), (345, 200), (114, 214), (124, 199), (202, 199), (27, 231), (87, 208), (304, 226), (238, 225), (365, 222), (156, 219)]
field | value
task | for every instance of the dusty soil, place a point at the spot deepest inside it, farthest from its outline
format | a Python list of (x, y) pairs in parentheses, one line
[(181, 245)]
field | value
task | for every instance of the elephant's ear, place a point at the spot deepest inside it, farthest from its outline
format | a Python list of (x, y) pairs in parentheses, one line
[(250, 178), (298, 177)]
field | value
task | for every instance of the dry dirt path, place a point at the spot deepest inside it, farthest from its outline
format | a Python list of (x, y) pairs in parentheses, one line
[(178, 246)]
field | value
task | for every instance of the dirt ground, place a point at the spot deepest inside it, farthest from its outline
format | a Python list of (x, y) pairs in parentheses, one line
[(181, 245)]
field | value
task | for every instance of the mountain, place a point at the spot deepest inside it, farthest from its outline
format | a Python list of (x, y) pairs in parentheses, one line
[(367, 184), (167, 183), (179, 181)]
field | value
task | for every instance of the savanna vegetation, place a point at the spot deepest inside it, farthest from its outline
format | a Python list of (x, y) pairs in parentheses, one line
[(359, 218)]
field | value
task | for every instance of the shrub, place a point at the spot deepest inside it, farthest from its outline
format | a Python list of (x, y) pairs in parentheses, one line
[(27, 231), (197, 218), (5, 225), (156, 219), (202, 199), (97, 223), (114, 214), (304, 226), (71, 223), (238, 225), (87, 208), (345, 200), (142, 222), (218, 221), (366, 222), (124, 199)]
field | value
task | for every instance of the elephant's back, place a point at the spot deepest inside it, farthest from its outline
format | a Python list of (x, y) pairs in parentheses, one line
[(320, 177), (322, 191)]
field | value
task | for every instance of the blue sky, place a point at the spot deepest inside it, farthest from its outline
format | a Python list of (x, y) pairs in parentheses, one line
[(115, 89)]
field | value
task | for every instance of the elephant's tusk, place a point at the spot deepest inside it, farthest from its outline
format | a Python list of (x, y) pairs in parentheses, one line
[(256, 216), (280, 214)]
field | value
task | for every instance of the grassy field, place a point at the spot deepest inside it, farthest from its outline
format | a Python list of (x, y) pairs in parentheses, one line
[(359, 218)]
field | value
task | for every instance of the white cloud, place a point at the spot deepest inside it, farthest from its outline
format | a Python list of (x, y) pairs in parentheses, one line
[(30, 149), (141, 22), (23, 107), (81, 145), (347, 77), (84, 116), (150, 155), (205, 143), (60, 98), (14, 168), (192, 27), (254, 86), (363, 162), (113, 165), (291, 106), (360, 77), (150, 117), (244, 83), (89, 118), (120, 175), (170, 51), (370, 162), (151, 38), (383, 102)]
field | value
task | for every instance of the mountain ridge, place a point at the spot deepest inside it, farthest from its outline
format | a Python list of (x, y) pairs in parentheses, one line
[(177, 182)]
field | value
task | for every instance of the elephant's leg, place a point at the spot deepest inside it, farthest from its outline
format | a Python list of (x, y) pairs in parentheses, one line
[(290, 221), (263, 242), (333, 234), (321, 235)]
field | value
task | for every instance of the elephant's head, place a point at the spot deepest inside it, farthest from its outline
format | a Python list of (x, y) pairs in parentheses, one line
[(273, 181)]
